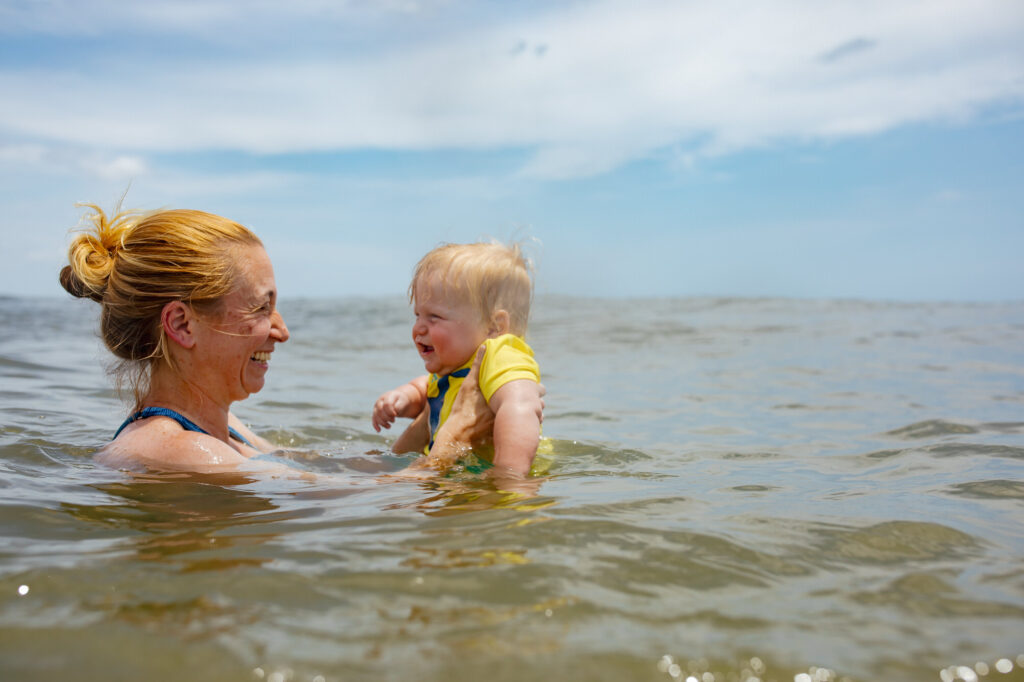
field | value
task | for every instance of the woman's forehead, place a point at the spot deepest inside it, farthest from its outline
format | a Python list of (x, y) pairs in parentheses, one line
[(255, 274)]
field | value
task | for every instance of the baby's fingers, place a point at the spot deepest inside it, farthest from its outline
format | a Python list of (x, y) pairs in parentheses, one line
[(383, 415)]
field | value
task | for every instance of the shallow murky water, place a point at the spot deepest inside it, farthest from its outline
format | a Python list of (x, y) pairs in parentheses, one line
[(769, 489)]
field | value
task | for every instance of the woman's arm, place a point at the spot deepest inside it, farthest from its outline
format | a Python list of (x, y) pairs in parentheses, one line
[(470, 422)]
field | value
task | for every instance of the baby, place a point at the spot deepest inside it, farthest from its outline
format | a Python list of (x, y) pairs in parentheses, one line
[(465, 295)]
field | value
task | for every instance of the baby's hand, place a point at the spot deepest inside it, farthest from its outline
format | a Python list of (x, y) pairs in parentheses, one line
[(388, 407)]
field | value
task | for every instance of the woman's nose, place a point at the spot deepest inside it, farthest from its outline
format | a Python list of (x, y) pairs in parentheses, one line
[(278, 329)]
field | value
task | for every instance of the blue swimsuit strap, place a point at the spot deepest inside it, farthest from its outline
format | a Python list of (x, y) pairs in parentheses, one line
[(186, 424)]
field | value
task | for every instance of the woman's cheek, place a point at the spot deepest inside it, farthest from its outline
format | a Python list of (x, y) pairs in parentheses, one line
[(256, 328)]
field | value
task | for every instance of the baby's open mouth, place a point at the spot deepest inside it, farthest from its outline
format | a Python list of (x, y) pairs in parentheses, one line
[(261, 356), (424, 348)]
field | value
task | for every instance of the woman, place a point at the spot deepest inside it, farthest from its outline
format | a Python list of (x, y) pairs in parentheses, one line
[(189, 307)]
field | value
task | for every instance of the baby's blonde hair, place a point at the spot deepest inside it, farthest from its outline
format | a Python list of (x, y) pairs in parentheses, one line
[(134, 263), (490, 276)]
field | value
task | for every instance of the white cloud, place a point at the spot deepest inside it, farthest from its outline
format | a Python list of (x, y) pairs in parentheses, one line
[(23, 153), (209, 18), (587, 86), (122, 167), (72, 159)]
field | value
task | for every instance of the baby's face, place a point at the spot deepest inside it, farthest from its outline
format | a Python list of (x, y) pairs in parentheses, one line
[(447, 331)]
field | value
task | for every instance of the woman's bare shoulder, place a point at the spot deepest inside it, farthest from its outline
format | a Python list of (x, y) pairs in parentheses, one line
[(161, 443), (259, 443)]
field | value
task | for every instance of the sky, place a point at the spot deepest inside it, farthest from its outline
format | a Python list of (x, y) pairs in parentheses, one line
[(862, 149)]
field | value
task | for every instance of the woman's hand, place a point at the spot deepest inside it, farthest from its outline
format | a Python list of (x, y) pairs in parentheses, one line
[(470, 423)]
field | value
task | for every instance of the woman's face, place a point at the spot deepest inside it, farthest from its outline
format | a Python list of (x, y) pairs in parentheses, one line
[(236, 345)]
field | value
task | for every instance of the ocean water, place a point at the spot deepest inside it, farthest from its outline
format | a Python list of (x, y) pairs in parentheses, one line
[(743, 490)]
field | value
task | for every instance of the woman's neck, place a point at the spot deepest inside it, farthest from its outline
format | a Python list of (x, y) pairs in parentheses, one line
[(169, 389)]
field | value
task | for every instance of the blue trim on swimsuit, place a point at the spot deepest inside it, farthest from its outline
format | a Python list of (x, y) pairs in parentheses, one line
[(186, 424), (437, 402)]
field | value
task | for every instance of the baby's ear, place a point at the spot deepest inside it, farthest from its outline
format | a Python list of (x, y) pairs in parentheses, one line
[(500, 323)]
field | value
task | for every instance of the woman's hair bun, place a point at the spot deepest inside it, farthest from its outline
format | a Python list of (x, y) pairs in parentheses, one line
[(93, 253), (76, 287)]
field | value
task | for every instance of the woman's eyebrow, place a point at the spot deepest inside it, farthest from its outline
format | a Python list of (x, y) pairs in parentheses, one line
[(260, 300)]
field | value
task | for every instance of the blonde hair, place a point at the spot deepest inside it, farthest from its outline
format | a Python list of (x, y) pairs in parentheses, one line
[(134, 263), (490, 276)]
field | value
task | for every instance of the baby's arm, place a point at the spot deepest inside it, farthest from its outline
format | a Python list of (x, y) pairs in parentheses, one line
[(405, 401), (416, 435), (517, 409)]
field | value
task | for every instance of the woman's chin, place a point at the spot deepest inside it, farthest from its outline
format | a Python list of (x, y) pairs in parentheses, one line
[(252, 385)]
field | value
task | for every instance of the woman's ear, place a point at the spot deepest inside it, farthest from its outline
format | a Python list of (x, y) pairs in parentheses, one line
[(179, 322), (500, 323)]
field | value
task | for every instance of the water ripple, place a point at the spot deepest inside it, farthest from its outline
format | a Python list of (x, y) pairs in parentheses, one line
[(899, 542)]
